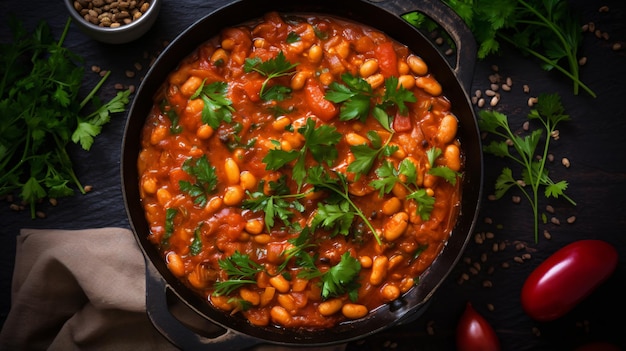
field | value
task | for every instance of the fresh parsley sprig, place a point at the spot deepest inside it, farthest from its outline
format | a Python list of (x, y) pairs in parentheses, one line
[(544, 29), (279, 204), (272, 68), (356, 96), (206, 179), (549, 112), (337, 185), (444, 172), (406, 175), (365, 156), (319, 142), (342, 278), (241, 270), (217, 107)]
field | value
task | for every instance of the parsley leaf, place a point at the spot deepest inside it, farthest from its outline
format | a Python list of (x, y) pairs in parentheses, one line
[(206, 179), (196, 245), (217, 107), (389, 176), (342, 278), (241, 270), (272, 68), (319, 141), (279, 204), (356, 96), (444, 172), (365, 156), (338, 186)]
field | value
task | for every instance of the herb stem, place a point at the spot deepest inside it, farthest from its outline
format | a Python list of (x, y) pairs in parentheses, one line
[(94, 90), (343, 193)]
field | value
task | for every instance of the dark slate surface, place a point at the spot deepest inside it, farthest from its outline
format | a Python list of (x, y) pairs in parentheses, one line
[(594, 142)]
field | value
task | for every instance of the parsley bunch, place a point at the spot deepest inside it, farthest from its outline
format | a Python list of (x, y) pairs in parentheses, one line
[(549, 112), (42, 113), (544, 29)]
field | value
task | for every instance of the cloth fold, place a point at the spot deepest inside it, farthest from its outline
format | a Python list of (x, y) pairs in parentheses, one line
[(79, 290)]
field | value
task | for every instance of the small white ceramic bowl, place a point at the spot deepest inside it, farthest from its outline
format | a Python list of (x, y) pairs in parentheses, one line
[(114, 35)]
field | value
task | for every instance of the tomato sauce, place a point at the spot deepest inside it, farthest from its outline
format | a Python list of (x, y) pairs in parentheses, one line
[(231, 148)]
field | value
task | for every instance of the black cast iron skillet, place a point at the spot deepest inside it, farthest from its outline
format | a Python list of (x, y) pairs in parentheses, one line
[(187, 320)]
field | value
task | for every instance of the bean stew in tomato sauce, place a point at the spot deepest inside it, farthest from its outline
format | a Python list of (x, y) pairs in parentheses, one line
[(301, 170)]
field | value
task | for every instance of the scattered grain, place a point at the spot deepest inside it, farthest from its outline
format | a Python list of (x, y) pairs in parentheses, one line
[(491, 197), (506, 87), (487, 284), (536, 331), (490, 307), (516, 199), (555, 221), (40, 214), (473, 270), (490, 270), (526, 256), (430, 327), (481, 102), (518, 259), (551, 157), (488, 220), (489, 235), (616, 47), (532, 101), (88, 188), (565, 162), (582, 61), (53, 201), (483, 257), (526, 88), (490, 92), (505, 265), (129, 73), (494, 100), (494, 87), (494, 247), (547, 235), (571, 219), (603, 9), (449, 52), (598, 33), (526, 126), (591, 27), (478, 239)]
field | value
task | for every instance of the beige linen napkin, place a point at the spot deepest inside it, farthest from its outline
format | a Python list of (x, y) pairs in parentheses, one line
[(79, 290)]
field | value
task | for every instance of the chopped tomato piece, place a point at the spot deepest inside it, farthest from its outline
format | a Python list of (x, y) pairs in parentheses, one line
[(402, 123), (387, 59), (314, 96)]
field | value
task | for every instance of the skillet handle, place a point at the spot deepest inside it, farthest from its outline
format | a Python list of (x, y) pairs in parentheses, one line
[(175, 331), (443, 15)]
